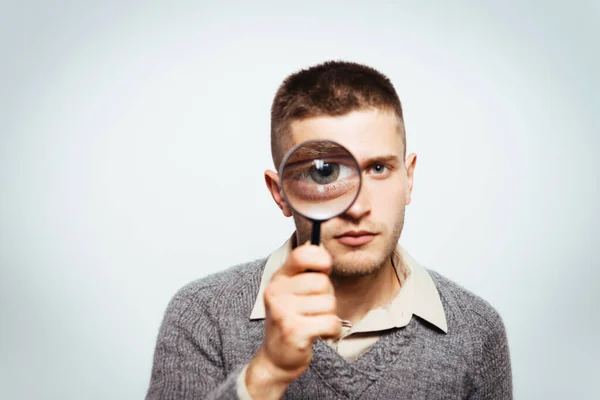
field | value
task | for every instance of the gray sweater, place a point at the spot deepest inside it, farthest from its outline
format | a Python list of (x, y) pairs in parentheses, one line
[(207, 337)]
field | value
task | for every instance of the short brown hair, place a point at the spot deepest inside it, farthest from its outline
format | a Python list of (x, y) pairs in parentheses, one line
[(333, 88)]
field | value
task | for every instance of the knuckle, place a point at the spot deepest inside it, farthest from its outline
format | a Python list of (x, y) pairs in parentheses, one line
[(330, 303), (302, 344), (276, 287), (288, 329), (326, 257), (275, 314), (271, 292), (334, 324), (296, 256), (313, 256), (322, 283), (321, 259)]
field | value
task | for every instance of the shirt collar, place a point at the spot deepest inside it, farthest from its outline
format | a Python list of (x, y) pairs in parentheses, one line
[(418, 294)]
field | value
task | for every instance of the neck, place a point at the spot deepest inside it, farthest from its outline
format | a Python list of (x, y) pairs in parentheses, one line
[(356, 296)]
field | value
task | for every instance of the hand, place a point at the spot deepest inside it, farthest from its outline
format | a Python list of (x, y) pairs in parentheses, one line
[(300, 307)]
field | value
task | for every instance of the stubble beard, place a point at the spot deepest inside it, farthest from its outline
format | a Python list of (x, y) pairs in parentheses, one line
[(359, 262)]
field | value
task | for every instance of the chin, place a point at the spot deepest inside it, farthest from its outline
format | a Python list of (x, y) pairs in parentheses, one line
[(356, 264)]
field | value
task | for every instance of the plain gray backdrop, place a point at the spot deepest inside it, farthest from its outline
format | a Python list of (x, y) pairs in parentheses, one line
[(134, 136)]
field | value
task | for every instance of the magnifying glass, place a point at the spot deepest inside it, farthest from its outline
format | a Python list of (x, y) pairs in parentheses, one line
[(319, 179)]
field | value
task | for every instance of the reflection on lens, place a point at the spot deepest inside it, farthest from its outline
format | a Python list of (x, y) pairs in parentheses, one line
[(320, 179)]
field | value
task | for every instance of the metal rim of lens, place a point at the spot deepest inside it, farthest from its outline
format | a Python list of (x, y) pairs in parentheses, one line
[(292, 151)]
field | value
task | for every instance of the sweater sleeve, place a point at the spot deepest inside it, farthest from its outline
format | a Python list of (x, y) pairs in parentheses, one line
[(187, 358), (493, 374), (242, 389)]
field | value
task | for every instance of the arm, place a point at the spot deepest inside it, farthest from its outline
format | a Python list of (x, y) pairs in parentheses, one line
[(257, 382), (300, 308), (493, 367), (261, 379), (187, 359)]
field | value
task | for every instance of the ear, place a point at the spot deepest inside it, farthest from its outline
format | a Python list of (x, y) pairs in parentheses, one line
[(272, 181), (410, 163)]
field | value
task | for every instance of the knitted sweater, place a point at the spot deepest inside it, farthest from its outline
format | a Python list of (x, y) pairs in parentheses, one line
[(207, 337)]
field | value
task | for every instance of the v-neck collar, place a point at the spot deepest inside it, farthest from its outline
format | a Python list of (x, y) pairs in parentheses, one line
[(351, 378)]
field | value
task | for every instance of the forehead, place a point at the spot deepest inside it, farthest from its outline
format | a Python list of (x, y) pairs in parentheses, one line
[(366, 133)]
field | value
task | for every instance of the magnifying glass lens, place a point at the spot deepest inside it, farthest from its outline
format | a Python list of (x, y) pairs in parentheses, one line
[(320, 179)]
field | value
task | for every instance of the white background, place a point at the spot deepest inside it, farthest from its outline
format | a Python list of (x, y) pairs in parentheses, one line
[(133, 138)]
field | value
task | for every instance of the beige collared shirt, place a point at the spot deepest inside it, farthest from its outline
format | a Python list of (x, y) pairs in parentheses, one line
[(417, 296)]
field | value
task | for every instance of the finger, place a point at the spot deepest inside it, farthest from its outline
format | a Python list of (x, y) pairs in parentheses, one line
[(315, 305), (310, 283), (307, 258), (324, 326)]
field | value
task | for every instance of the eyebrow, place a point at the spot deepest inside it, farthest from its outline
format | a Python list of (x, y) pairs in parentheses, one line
[(316, 151), (388, 158)]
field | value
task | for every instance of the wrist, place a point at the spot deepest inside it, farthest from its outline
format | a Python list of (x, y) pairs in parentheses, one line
[(264, 380)]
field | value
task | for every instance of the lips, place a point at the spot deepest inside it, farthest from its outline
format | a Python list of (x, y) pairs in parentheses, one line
[(355, 238)]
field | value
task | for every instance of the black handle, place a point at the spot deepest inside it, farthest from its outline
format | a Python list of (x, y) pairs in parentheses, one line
[(316, 233)]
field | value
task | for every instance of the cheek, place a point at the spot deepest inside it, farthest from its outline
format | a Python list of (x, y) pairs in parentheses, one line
[(303, 227), (300, 221), (387, 196)]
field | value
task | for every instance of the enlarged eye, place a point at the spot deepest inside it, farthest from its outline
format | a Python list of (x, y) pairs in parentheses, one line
[(321, 180), (324, 173)]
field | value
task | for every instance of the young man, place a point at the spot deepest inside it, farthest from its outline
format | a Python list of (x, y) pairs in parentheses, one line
[(356, 317)]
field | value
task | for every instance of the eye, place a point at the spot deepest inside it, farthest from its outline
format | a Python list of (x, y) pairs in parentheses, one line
[(325, 173), (321, 181), (379, 168)]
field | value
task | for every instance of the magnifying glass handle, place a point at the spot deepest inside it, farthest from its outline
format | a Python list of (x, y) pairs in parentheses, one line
[(316, 233)]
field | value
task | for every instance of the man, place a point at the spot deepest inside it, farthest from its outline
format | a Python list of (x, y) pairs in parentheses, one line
[(355, 317)]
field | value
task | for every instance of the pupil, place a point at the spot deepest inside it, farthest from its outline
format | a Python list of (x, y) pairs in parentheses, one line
[(326, 170), (325, 173)]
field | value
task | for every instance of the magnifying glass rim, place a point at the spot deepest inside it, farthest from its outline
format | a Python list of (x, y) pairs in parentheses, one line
[(291, 152)]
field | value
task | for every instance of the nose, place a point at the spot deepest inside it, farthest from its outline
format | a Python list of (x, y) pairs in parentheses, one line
[(361, 206)]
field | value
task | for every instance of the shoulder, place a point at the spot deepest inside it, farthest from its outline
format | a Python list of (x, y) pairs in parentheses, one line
[(466, 311), (217, 289), (480, 331)]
